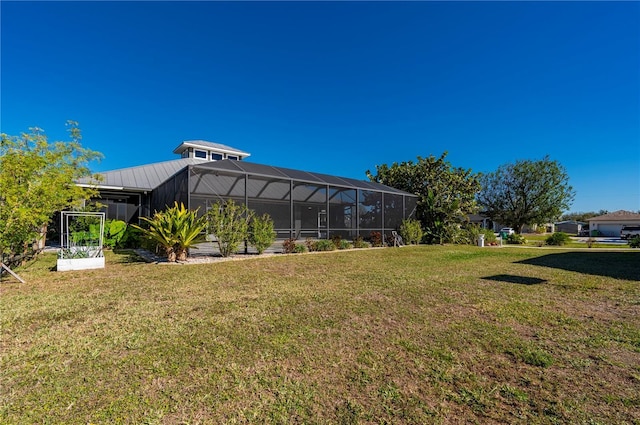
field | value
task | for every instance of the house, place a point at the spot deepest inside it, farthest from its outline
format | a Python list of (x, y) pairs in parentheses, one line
[(570, 226), (611, 224), (301, 203)]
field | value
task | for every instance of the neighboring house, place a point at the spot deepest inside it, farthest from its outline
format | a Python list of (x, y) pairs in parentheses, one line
[(301, 203), (484, 222), (570, 226), (611, 224)]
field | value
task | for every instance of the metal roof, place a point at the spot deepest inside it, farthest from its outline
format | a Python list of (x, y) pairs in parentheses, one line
[(140, 178), (148, 177)]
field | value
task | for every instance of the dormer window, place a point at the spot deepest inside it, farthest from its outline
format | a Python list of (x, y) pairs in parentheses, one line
[(200, 154), (216, 156), (232, 157)]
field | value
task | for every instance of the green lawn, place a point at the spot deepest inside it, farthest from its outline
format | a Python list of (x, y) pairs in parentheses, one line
[(429, 334)]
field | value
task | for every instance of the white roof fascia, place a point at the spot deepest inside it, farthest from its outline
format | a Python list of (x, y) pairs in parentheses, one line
[(100, 186)]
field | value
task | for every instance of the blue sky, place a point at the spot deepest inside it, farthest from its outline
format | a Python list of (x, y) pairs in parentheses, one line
[(338, 87)]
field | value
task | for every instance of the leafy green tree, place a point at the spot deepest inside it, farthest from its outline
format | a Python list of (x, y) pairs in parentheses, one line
[(447, 194), (229, 222), (262, 232), (37, 179), (176, 229), (527, 192)]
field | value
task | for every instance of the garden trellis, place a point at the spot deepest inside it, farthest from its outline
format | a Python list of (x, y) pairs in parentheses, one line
[(81, 240)]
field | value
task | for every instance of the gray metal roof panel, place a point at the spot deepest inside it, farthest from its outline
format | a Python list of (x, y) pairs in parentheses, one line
[(142, 177), (148, 177)]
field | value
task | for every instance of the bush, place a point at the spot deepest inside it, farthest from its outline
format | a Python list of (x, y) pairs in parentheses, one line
[(324, 245), (289, 246), (516, 239), (411, 231), (489, 236), (470, 235), (376, 239), (299, 248), (310, 244), (344, 244), (229, 222), (336, 239), (175, 229), (261, 233), (359, 242), (634, 242), (558, 239)]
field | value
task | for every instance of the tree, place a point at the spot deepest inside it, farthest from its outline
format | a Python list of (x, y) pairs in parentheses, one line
[(447, 195), (527, 192), (37, 179), (229, 222)]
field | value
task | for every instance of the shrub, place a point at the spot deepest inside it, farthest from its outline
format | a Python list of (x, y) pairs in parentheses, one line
[(229, 222), (344, 244), (411, 231), (336, 239), (175, 229), (359, 242), (289, 246), (516, 239), (310, 244), (376, 239), (489, 236), (117, 234), (261, 233), (299, 248), (634, 242), (470, 234), (324, 245), (558, 239)]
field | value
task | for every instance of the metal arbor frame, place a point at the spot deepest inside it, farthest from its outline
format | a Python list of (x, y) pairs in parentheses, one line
[(66, 241)]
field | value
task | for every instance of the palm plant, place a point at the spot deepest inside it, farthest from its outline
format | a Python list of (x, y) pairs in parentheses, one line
[(176, 229)]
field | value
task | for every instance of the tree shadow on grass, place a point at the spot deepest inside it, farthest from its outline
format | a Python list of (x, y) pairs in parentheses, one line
[(520, 280), (618, 265), (127, 256)]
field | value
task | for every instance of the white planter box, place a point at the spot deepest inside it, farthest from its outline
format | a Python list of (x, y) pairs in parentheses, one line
[(65, 264)]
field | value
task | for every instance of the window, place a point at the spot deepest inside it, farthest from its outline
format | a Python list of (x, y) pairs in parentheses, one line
[(232, 157), (200, 154), (216, 156)]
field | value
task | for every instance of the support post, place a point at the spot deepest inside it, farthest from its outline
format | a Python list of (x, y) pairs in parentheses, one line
[(3, 266)]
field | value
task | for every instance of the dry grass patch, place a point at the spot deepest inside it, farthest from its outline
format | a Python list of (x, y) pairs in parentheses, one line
[(411, 335)]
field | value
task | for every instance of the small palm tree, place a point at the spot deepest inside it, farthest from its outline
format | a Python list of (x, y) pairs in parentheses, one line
[(176, 229)]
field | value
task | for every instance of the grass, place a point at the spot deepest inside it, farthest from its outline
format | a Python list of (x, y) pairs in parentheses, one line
[(443, 334)]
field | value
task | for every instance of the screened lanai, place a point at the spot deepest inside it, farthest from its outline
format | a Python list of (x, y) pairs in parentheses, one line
[(302, 204)]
